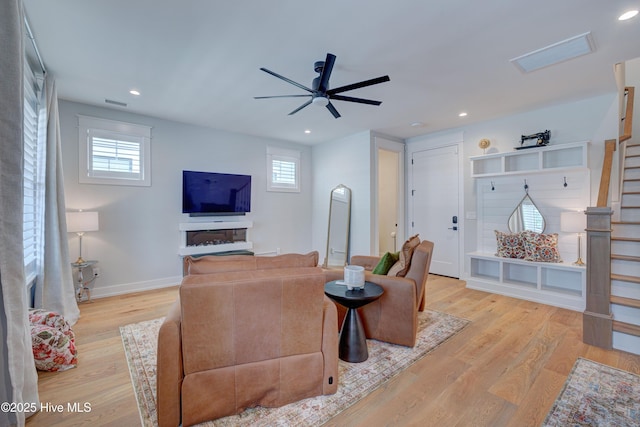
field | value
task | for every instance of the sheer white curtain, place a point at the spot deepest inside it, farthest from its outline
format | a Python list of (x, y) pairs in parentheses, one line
[(18, 377), (54, 285)]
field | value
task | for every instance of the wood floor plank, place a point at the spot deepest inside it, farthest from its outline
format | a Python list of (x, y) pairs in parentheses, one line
[(506, 368)]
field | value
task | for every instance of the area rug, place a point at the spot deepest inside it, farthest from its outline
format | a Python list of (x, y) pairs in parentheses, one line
[(356, 379), (597, 395)]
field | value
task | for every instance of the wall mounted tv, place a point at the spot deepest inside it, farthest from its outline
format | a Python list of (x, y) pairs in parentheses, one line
[(211, 194)]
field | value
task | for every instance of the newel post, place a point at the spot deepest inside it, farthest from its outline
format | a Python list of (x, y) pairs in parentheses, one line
[(597, 321)]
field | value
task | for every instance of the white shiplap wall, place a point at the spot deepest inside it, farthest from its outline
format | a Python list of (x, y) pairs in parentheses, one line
[(547, 191)]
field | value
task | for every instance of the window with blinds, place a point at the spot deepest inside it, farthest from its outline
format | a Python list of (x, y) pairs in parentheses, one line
[(115, 153), (30, 225), (283, 170)]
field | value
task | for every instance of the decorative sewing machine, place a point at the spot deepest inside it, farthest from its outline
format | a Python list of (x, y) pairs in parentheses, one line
[(542, 139)]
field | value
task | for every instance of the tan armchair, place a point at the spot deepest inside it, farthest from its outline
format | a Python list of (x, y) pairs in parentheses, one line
[(245, 336), (393, 317)]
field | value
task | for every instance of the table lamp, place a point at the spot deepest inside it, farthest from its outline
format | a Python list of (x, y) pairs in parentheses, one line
[(574, 222), (79, 223)]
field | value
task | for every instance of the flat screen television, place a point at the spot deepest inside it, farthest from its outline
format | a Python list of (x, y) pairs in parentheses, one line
[(211, 193)]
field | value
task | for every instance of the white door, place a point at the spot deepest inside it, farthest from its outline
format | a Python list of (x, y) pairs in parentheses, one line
[(435, 200)]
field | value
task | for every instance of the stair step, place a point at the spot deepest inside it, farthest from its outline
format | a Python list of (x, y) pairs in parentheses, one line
[(625, 257), (629, 207), (632, 167), (629, 302), (632, 180), (624, 278), (626, 222), (626, 328), (626, 239), (630, 192)]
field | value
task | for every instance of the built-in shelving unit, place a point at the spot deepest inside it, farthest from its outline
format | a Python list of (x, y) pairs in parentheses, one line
[(558, 284), (235, 229), (557, 177), (538, 159)]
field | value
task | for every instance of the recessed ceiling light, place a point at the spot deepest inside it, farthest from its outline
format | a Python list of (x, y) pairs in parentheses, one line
[(627, 15), (134, 92), (307, 131), (463, 114)]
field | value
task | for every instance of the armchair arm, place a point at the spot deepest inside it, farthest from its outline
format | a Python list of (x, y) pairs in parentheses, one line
[(393, 317), (169, 368), (330, 346)]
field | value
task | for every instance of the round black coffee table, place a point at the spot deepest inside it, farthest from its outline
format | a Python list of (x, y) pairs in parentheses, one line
[(353, 342)]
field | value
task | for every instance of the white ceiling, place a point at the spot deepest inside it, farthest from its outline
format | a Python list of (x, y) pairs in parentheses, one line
[(198, 61)]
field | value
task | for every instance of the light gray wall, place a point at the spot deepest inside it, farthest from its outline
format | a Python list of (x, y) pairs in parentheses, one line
[(344, 161), (138, 239)]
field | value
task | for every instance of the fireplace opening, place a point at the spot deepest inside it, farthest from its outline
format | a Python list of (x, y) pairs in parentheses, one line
[(216, 237)]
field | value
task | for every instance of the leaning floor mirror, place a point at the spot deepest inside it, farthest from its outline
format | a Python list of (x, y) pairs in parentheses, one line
[(339, 227)]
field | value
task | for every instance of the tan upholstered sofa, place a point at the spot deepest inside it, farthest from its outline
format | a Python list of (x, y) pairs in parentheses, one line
[(245, 331), (393, 317)]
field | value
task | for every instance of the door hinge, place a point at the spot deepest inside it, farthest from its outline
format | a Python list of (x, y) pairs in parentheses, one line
[(412, 224), (413, 192)]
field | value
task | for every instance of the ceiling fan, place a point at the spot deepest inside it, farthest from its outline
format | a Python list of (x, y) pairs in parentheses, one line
[(320, 93)]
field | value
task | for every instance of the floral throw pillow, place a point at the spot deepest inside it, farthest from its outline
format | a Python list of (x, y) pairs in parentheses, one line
[(541, 247), (509, 245), (53, 341)]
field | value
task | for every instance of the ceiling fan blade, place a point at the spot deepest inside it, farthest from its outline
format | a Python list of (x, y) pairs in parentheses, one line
[(280, 96), (353, 86), (358, 100), (286, 80), (300, 107), (333, 110), (326, 72)]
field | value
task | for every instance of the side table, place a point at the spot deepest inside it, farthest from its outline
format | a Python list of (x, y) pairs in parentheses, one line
[(353, 342), (81, 286)]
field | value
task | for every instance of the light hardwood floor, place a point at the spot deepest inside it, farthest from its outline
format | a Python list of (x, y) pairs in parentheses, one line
[(504, 369)]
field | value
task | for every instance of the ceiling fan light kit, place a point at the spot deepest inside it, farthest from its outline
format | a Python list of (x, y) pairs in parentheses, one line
[(320, 93)]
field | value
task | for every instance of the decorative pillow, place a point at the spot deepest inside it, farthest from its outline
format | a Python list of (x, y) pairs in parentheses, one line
[(386, 262), (401, 267), (510, 245), (541, 247), (53, 341)]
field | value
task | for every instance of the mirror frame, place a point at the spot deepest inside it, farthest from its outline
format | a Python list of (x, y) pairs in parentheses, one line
[(325, 264), (544, 221)]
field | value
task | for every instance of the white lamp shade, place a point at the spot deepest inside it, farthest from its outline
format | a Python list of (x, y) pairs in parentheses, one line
[(78, 222), (573, 222)]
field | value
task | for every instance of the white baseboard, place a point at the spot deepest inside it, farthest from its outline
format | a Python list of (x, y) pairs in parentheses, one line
[(127, 288)]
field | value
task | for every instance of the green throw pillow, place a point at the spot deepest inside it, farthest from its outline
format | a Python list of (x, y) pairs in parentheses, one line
[(386, 262)]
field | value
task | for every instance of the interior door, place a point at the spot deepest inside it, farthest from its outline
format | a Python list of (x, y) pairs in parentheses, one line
[(435, 200)]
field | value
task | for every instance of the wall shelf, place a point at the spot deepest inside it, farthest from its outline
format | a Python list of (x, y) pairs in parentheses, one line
[(561, 156), (204, 226), (558, 284)]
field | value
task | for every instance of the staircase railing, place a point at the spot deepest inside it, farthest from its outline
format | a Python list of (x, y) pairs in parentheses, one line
[(597, 318), (627, 120), (605, 178)]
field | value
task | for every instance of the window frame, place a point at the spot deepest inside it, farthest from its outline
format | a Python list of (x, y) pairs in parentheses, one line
[(275, 154), (32, 179), (117, 131)]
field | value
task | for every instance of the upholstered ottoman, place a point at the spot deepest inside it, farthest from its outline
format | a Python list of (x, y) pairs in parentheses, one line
[(53, 341)]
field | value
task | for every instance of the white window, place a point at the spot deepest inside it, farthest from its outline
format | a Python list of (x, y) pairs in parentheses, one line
[(31, 182), (283, 170), (115, 153)]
